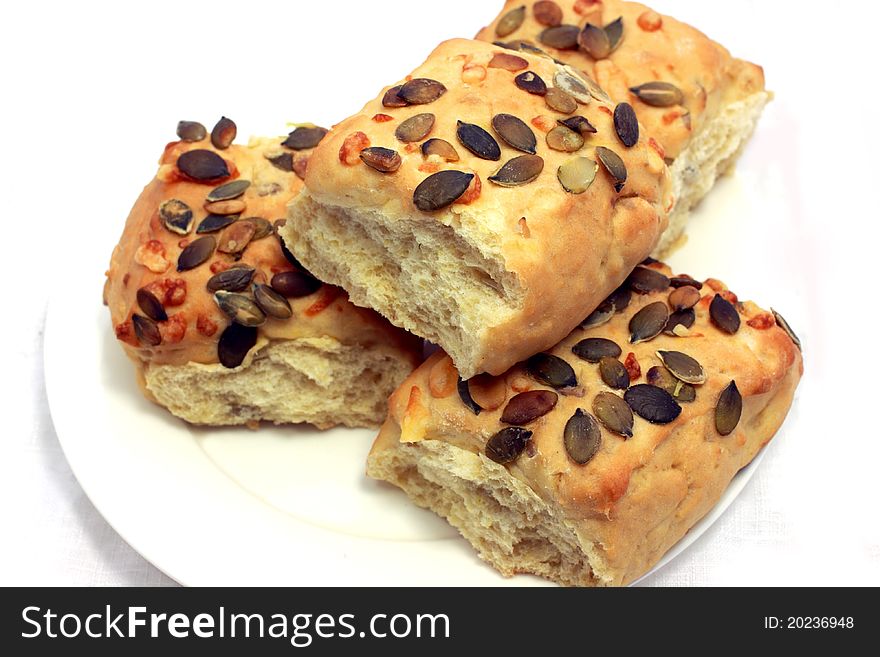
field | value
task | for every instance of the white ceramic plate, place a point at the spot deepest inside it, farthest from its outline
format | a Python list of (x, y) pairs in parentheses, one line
[(278, 506)]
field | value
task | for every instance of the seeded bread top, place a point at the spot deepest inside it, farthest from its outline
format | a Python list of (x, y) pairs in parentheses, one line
[(697, 75), (665, 364), (474, 108), (183, 255), (526, 162)]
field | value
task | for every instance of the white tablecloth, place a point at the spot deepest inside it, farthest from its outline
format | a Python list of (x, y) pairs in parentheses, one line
[(78, 77), (58, 537)]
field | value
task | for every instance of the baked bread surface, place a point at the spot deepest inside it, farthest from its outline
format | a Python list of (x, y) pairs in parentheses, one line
[(505, 271), (331, 362), (608, 521), (722, 96), (654, 47)]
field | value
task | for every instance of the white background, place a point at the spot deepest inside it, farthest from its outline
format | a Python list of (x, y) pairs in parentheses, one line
[(92, 91)]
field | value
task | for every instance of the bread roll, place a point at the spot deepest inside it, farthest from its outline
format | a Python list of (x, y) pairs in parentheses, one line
[(701, 115), (328, 363), (473, 242), (587, 463)]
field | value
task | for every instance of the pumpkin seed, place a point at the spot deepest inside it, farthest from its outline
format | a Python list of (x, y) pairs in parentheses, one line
[(723, 315), (506, 445), (614, 413), (214, 222), (421, 91), (191, 131), (532, 49), (579, 124), (464, 393), (272, 303), (780, 320), (519, 171), (614, 30), (234, 279), (613, 373), (304, 137), (239, 308), (614, 165), (229, 191), (488, 391), (381, 159), (593, 350), (393, 99), (621, 297), (146, 330), (510, 22), (728, 410), (663, 378), (223, 133), (415, 128), (582, 437), (441, 148), (551, 370), (528, 406), (683, 367), (235, 237), (196, 252), (441, 189), (682, 298), (295, 284), (515, 133), (658, 94), (282, 160), (262, 228), (561, 37), (652, 403), (235, 343), (594, 41), (478, 141), (573, 85), (531, 82), (645, 281), (235, 206), (602, 315), (577, 174), (202, 165), (626, 124), (151, 306), (176, 216), (684, 393), (685, 318), (562, 138), (684, 281), (648, 322), (547, 13), (508, 62)]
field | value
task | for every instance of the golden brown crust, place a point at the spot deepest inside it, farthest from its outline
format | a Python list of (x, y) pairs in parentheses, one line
[(637, 496), (565, 251), (654, 48), (147, 256)]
